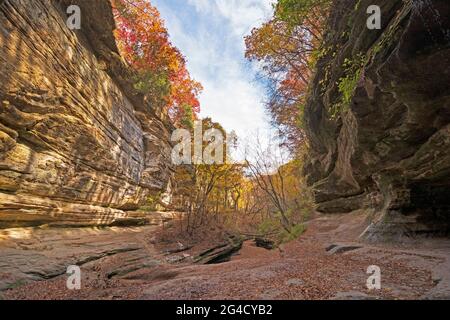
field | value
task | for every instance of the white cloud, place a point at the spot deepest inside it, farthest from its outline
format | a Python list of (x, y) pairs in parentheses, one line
[(242, 15), (203, 6), (211, 37)]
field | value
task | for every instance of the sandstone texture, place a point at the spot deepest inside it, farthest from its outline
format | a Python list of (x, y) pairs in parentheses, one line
[(77, 145), (378, 117)]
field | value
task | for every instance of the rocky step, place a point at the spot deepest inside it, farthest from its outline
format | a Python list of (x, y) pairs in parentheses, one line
[(36, 254), (222, 252)]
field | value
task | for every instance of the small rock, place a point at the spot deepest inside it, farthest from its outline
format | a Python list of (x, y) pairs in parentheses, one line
[(295, 282), (175, 259), (436, 279), (270, 294), (264, 243), (339, 249)]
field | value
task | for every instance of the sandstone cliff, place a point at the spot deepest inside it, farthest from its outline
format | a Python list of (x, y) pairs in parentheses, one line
[(77, 145), (378, 116)]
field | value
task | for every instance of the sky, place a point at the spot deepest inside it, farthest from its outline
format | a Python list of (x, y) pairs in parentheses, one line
[(210, 33)]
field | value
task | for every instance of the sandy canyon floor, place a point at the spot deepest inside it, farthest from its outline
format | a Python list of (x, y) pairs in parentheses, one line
[(125, 263)]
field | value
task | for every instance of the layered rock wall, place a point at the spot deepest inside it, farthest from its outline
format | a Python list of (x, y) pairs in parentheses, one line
[(378, 116), (77, 146)]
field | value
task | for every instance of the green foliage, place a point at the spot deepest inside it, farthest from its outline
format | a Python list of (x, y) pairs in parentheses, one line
[(268, 226), (273, 226), (155, 85), (294, 233), (318, 54), (349, 82), (301, 116), (347, 87), (152, 203), (294, 12), (18, 283), (187, 116)]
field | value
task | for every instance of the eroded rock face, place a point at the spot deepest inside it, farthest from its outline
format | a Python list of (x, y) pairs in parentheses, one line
[(388, 147), (77, 145)]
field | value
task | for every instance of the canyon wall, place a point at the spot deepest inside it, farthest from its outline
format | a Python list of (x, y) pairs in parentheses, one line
[(77, 145), (378, 117)]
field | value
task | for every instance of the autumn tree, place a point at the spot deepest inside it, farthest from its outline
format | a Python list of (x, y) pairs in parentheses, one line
[(277, 182), (144, 42), (286, 46), (207, 191)]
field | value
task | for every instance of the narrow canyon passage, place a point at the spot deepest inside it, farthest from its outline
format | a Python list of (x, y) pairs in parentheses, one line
[(131, 159)]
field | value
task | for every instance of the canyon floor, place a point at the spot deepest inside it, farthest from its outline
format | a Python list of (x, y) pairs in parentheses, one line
[(326, 262)]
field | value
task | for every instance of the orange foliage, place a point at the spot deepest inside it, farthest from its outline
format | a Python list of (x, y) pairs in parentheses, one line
[(285, 46), (144, 42)]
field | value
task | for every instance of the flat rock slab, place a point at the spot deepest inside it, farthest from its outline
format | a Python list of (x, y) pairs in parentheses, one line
[(29, 254), (222, 252), (295, 282), (340, 248)]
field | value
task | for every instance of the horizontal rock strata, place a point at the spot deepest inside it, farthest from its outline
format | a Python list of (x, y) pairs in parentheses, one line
[(378, 116), (77, 146)]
